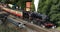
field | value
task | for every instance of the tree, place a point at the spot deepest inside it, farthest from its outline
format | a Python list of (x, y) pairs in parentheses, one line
[(50, 8)]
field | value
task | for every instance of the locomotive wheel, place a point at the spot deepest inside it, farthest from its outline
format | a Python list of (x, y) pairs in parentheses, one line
[(42, 26), (26, 19), (30, 21), (53, 27), (34, 21)]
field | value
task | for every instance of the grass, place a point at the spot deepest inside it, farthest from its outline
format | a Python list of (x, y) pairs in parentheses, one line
[(58, 28), (8, 28)]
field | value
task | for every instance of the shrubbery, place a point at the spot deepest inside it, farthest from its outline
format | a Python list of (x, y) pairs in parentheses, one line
[(50, 8)]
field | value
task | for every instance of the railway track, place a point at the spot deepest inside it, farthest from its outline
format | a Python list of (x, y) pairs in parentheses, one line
[(21, 30), (31, 26)]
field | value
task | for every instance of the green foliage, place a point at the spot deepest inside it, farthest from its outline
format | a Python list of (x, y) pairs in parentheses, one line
[(0, 0), (7, 28), (32, 6), (50, 8)]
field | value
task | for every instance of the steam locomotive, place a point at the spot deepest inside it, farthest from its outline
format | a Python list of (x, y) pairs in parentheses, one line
[(33, 17)]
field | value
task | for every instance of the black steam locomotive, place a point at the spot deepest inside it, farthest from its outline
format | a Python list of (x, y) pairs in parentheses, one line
[(38, 19)]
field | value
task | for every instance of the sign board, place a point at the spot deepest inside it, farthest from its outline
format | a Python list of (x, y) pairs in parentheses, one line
[(28, 6)]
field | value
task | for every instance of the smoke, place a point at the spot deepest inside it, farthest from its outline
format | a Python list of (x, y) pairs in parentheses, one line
[(36, 4)]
